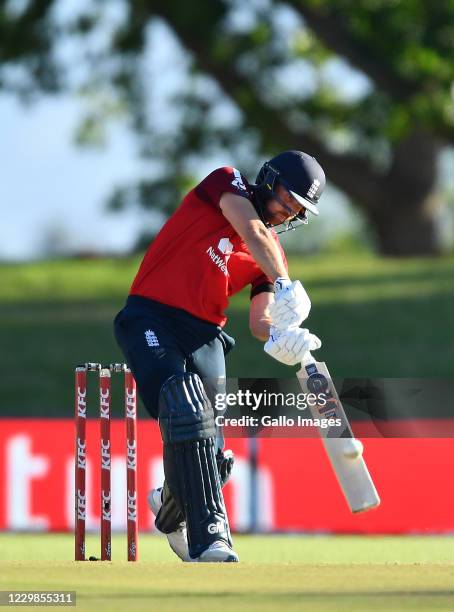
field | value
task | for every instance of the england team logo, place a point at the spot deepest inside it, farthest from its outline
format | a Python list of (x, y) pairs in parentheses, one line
[(313, 188), (238, 181)]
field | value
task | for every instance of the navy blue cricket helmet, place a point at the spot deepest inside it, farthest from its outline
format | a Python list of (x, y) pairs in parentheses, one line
[(299, 173)]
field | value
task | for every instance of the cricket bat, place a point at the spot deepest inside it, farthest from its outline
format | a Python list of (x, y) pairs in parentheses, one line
[(343, 449)]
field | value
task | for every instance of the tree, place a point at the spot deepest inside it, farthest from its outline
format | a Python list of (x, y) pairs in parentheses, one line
[(380, 146)]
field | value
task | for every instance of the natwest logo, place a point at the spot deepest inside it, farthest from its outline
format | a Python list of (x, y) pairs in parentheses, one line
[(216, 259), (225, 246)]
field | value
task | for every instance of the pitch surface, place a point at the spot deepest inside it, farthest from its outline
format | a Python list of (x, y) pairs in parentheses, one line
[(276, 573)]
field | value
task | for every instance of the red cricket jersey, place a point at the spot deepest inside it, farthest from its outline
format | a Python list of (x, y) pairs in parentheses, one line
[(197, 261)]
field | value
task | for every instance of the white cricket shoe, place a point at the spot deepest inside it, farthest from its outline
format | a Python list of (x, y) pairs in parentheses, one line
[(178, 540), (218, 552)]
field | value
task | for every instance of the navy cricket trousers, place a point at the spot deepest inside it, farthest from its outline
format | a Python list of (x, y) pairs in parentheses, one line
[(158, 341)]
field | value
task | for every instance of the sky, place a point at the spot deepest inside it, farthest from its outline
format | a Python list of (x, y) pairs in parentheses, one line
[(53, 194), (50, 188)]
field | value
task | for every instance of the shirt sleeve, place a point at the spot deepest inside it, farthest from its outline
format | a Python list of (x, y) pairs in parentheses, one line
[(263, 283), (226, 179)]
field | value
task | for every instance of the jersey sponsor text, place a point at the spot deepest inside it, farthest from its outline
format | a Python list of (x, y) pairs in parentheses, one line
[(217, 260)]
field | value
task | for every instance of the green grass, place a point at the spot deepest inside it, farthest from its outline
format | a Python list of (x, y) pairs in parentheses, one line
[(276, 572), (376, 317)]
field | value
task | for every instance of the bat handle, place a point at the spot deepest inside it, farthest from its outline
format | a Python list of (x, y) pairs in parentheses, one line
[(307, 358)]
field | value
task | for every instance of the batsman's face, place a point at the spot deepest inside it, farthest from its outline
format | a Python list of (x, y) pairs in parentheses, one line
[(283, 207)]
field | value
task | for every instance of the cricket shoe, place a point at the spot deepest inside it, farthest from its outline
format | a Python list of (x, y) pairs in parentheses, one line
[(178, 539), (218, 552)]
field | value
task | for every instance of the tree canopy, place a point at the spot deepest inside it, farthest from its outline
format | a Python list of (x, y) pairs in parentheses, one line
[(262, 76)]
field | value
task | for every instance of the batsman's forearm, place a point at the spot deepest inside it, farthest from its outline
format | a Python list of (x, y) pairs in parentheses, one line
[(265, 251), (261, 330)]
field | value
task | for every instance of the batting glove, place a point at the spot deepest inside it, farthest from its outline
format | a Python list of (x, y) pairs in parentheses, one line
[(291, 304), (290, 346)]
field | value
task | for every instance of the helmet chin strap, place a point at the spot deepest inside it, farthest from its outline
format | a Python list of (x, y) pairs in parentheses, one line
[(290, 226), (259, 203)]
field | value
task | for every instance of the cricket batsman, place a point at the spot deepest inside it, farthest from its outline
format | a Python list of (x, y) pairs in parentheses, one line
[(219, 240)]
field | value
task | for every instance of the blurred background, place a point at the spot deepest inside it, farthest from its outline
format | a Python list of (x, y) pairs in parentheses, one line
[(111, 111)]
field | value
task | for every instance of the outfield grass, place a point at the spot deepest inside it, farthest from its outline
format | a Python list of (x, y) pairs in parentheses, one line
[(376, 317), (276, 572)]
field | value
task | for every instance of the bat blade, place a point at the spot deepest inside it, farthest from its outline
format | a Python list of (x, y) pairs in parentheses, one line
[(339, 442)]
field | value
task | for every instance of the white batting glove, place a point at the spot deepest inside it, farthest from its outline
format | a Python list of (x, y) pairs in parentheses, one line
[(291, 304), (291, 345)]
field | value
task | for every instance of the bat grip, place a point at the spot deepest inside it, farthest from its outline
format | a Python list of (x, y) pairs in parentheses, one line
[(307, 358)]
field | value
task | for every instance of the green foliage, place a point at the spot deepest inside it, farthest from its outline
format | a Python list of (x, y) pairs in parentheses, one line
[(406, 48), (256, 78), (26, 41)]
